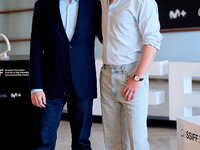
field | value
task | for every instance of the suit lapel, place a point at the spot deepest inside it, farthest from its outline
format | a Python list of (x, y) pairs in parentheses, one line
[(54, 10)]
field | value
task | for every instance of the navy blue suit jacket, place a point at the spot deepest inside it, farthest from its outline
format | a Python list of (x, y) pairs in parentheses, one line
[(50, 48)]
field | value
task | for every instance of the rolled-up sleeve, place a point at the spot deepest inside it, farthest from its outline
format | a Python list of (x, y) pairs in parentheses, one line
[(148, 22)]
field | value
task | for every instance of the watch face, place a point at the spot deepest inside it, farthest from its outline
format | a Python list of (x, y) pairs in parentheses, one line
[(137, 78)]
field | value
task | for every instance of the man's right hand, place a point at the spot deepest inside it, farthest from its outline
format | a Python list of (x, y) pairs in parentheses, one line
[(39, 99)]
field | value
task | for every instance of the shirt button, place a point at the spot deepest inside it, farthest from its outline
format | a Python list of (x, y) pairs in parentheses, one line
[(110, 13), (108, 28)]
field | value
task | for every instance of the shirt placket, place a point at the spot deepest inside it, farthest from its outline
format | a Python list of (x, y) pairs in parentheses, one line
[(67, 20), (109, 44)]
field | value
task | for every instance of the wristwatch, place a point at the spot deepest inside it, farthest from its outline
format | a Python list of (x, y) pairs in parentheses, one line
[(137, 78)]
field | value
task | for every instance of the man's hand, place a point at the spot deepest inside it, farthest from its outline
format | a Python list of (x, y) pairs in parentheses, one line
[(39, 99), (131, 89)]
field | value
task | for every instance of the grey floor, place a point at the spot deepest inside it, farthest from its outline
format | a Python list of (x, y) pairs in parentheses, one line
[(159, 138)]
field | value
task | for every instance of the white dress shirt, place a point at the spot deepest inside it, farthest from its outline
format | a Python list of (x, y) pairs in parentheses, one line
[(69, 14), (127, 26)]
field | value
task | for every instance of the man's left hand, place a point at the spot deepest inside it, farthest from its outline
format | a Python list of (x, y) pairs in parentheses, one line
[(131, 89)]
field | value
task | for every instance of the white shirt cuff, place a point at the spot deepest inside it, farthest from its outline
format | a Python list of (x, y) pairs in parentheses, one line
[(35, 90)]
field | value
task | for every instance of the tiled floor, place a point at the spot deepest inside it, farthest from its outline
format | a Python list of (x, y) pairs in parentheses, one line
[(159, 138)]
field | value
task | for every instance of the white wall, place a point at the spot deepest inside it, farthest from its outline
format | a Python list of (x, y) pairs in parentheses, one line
[(180, 46), (20, 4), (17, 25), (2, 4)]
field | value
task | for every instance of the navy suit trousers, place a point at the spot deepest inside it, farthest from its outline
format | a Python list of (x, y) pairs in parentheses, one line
[(80, 116)]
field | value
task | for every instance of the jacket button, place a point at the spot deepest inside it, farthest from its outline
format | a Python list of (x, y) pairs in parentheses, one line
[(70, 46), (68, 62)]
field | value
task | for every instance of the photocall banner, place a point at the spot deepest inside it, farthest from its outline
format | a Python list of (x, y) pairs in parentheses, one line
[(16, 110), (179, 14)]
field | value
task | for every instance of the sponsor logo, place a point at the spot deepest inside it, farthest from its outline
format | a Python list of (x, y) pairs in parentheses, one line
[(15, 95), (190, 136), (177, 13), (182, 132), (1, 72), (3, 96)]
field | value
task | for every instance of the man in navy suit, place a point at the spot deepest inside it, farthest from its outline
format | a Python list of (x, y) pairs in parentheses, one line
[(62, 68)]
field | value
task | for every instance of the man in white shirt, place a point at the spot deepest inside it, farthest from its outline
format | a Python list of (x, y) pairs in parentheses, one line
[(131, 39)]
